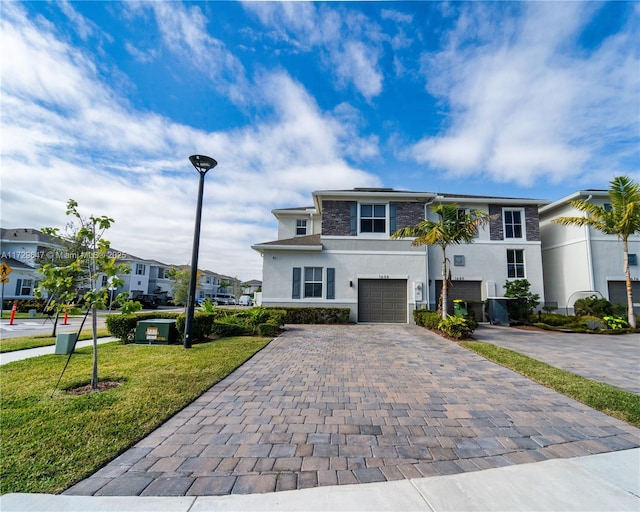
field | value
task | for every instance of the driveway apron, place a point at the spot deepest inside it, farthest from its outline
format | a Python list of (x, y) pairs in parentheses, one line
[(610, 358), (329, 405)]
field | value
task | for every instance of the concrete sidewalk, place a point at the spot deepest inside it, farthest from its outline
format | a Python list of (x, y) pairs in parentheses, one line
[(607, 482), (19, 355)]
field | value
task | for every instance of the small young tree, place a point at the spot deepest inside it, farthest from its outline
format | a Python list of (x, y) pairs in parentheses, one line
[(91, 261), (180, 280)]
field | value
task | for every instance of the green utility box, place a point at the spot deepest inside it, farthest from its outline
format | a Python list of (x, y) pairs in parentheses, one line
[(460, 308), (157, 331), (65, 342)]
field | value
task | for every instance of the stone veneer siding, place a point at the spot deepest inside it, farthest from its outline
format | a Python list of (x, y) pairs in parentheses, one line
[(531, 219), (336, 217), (409, 214)]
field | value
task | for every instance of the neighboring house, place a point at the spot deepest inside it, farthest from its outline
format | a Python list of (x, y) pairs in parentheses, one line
[(250, 287), (20, 248), (346, 257), (137, 281), (582, 261)]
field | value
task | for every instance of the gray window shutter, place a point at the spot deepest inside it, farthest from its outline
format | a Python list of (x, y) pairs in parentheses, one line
[(392, 218), (353, 226), (331, 283), (18, 287), (295, 291)]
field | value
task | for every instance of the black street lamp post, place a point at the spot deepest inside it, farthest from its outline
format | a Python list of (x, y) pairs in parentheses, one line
[(202, 164)]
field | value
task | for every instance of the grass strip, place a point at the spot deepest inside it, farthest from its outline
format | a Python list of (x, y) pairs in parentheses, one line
[(600, 396), (48, 444), (43, 340)]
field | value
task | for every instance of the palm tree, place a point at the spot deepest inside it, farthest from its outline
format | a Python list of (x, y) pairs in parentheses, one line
[(622, 220), (453, 227)]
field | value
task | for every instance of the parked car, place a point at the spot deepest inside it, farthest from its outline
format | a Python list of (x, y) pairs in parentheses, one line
[(245, 300), (223, 299)]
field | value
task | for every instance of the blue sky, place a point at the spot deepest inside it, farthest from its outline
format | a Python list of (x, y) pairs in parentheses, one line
[(103, 102)]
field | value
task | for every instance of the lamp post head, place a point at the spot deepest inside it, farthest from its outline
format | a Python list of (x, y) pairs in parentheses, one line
[(202, 163)]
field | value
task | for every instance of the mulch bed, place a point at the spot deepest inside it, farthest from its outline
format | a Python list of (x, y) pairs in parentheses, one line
[(102, 386)]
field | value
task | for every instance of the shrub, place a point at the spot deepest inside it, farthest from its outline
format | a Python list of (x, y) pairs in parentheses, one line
[(428, 319), (231, 327), (556, 320), (615, 322), (593, 306), (268, 329), (455, 326), (523, 308), (315, 315)]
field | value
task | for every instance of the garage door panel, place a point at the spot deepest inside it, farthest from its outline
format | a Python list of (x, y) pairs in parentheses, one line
[(382, 300)]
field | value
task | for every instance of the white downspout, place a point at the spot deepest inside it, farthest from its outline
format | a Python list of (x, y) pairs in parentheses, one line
[(592, 284)]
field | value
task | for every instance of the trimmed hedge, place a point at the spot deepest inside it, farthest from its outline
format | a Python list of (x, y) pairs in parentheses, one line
[(428, 319), (300, 315), (221, 322)]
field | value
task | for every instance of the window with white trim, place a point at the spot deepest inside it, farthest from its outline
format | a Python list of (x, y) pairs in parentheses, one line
[(301, 227), (515, 263), (373, 218), (513, 222), (312, 282), (24, 286), (140, 269)]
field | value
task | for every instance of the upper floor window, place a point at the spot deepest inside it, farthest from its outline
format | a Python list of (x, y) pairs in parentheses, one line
[(515, 263), (140, 269), (301, 227), (633, 259), (161, 272), (373, 218), (462, 212), (513, 223), (607, 207)]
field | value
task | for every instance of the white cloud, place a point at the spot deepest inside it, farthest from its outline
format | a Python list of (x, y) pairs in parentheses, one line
[(350, 41), (66, 134), (525, 103)]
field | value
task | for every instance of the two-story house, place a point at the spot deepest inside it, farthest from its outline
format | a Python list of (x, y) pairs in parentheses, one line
[(340, 253), (582, 261), (21, 251)]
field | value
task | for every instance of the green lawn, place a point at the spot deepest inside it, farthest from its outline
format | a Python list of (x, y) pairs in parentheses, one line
[(43, 340), (48, 444), (602, 397)]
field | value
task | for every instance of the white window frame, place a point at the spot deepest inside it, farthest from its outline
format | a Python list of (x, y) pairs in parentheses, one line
[(140, 269), (373, 218), (466, 211), (523, 224), (301, 224), (516, 264), (313, 282)]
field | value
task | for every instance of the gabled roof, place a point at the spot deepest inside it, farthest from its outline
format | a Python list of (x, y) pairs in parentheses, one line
[(28, 235), (299, 243)]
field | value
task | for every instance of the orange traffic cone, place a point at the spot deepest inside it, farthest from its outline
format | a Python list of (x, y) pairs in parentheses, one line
[(13, 312)]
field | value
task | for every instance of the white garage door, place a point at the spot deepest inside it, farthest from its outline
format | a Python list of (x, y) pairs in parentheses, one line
[(382, 300)]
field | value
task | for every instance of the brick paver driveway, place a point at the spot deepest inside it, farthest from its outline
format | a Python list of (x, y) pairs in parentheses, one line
[(326, 405), (609, 358)]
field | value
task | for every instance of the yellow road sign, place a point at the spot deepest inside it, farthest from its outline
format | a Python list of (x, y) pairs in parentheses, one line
[(4, 279), (5, 270)]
